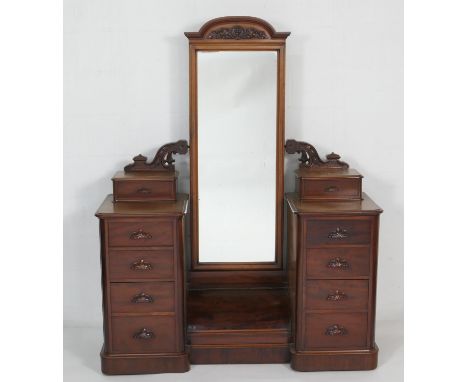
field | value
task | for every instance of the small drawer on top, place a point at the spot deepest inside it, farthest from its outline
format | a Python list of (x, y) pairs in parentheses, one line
[(335, 330), (144, 297), (141, 264), (339, 231), (345, 262), (330, 189), (144, 334), (135, 187), (144, 232), (337, 294)]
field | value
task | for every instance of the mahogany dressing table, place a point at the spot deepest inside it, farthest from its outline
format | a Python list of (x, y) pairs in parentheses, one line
[(238, 271)]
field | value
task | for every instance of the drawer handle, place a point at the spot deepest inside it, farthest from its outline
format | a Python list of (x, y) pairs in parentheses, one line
[(338, 233), (331, 189), (142, 298), (141, 265), (140, 235), (338, 263), (337, 296), (144, 190), (336, 330), (144, 334)]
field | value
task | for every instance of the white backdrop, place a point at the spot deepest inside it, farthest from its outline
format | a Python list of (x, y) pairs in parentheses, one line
[(126, 92)]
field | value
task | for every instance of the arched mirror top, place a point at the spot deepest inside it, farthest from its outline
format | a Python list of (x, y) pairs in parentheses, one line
[(234, 28)]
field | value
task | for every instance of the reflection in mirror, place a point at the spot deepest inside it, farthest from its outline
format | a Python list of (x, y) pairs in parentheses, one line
[(237, 95)]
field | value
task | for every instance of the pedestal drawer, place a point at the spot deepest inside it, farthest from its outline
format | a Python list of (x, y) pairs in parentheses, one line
[(141, 264), (339, 231), (344, 262), (337, 294), (142, 233), (336, 330), (331, 189), (144, 334), (144, 190), (142, 297)]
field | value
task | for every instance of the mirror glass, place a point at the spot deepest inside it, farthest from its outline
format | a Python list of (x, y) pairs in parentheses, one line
[(237, 95)]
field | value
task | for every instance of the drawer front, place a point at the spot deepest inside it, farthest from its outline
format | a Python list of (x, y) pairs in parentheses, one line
[(339, 231), (141, 265), (336, 330), (331, 189), (343, 262), (337, 294), (142, 297), (143, 233), (144, 334), (135, 190)]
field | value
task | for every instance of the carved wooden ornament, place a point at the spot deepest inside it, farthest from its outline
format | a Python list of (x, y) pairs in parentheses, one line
[(163, 160), (310, 158)]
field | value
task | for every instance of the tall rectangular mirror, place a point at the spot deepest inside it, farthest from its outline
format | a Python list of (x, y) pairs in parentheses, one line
[(236, 145), (236, 156)]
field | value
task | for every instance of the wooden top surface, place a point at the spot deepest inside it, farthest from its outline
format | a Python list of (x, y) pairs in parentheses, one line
[(154, 175), (363, 207), (330, 173), (162, 207)]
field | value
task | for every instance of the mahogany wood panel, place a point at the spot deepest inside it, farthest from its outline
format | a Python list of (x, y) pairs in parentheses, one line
[(144, 297), (124, 264), (144, 190), (239, 337), (235, 354), (141, 233), (237, 279), (329, 360), (350, 330), (337, 294), (320, 260), (330, 189), (128, 334), (338, 231), (115, 364)]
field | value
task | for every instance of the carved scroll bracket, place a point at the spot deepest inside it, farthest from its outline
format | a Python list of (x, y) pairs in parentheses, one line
[(163, 161), (310, 158)]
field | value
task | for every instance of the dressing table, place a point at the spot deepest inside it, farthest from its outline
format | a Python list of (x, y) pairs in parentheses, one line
[(238, 271)]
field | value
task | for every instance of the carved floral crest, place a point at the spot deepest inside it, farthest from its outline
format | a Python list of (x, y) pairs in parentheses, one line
[(237, 32)]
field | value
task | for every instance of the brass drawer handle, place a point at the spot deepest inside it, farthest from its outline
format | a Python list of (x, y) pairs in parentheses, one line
[(144, 334), (140, 235), (336, 330), (338, 263), (141, 265), (144, 190), (331, 189), (337, 296), (338, 233), (142, 298)]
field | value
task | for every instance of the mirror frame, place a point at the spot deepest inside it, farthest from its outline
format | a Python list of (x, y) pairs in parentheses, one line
[(237, 33)]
